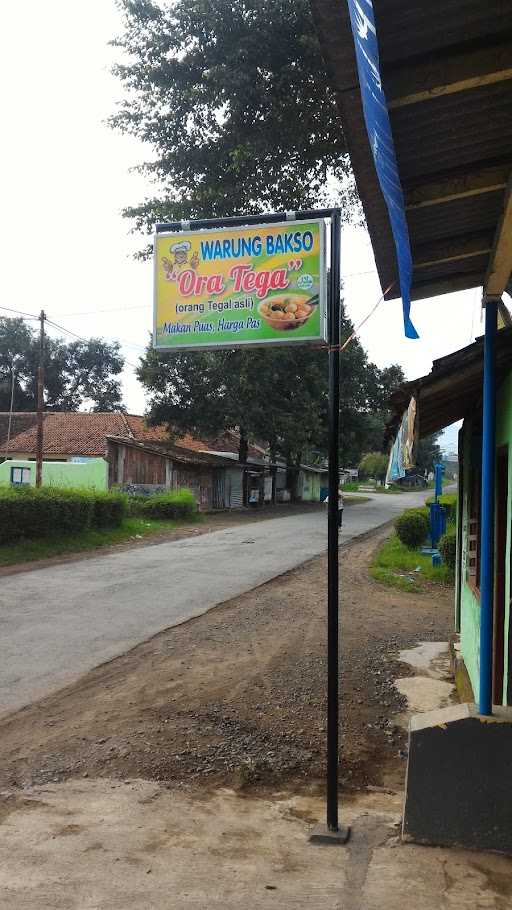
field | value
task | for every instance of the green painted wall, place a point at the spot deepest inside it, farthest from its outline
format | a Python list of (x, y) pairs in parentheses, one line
[(91, 474), (311, 486), (470, 603), (504, 437)]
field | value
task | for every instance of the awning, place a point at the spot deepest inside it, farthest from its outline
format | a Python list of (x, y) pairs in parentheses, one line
[(446, 71)]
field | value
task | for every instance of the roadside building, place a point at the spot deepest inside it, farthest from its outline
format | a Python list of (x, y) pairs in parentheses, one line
[(452, 391), (138, 458), (424, 93)]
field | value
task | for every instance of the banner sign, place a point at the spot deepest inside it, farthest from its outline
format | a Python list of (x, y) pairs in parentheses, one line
[(403, 452), (380, 137), (229, 287)]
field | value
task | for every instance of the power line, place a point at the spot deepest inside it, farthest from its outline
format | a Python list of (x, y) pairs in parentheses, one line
[(85, 340), (10, 309)]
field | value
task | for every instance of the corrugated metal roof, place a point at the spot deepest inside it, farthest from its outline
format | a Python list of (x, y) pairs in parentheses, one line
[(461, 132), (453, 389)]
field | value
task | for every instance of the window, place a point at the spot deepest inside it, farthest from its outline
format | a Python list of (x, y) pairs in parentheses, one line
[(473, 558), (20, 476)]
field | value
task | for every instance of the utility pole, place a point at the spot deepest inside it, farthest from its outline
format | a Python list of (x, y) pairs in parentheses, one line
[(40, 402)]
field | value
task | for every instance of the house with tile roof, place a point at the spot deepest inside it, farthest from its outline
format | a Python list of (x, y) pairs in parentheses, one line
[(146, 458), (140, 458)]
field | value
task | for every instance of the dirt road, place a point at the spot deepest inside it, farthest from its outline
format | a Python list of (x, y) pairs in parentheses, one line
[(62, 620), (236, 695)]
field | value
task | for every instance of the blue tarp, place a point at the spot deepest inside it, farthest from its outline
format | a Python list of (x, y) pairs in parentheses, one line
[(381, 141)]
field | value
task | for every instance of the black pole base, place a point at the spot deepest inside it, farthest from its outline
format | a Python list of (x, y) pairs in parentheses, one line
[(321, 834)]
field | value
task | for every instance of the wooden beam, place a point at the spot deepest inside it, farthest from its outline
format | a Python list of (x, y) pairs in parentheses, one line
[(500, 262), (434, 288), (459, 186), (460, 72), (429, 254)]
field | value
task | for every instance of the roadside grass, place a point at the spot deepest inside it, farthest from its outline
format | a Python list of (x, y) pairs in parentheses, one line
[(94, 538), (398, 567)]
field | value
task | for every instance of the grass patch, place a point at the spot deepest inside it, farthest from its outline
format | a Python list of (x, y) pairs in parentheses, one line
[(396, 566), (92, 539)]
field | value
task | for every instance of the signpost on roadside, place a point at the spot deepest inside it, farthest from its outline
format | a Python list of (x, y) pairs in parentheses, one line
[(262, 280)]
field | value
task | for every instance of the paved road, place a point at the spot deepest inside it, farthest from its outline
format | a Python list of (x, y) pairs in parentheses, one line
[(61, 621)]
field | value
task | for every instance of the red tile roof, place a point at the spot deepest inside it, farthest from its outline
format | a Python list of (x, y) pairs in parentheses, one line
[(78, 433)]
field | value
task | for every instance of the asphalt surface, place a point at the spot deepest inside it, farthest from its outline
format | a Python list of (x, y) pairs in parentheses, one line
[(58, 622)]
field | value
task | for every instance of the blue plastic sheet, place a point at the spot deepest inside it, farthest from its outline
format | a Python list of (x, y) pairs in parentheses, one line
[(381, 141)]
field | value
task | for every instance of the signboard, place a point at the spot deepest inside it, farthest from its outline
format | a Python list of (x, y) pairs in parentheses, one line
[(230, 287)]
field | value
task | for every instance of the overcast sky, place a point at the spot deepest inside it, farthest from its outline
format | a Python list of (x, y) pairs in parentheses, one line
[(65, 178)]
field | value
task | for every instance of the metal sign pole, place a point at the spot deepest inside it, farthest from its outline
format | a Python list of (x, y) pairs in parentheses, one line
[(332, 833)]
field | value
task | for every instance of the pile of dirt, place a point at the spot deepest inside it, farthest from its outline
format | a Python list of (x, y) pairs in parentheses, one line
[(237, 696)]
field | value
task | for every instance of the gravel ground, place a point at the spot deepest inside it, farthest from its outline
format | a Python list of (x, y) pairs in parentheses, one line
[(236, 696)]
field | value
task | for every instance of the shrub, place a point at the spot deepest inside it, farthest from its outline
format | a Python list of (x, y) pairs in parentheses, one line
[(109, 509), (412, 528), (449, 501), (26, 512), (178, 504), (448, 548), (135, 502)]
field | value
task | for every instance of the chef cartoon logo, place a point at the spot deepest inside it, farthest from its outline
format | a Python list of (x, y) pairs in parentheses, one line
[(180, 252)]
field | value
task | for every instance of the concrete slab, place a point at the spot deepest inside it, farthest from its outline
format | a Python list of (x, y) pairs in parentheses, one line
[(423, 693), (430, 658), (431, 687), (97, 844), (458, 779)]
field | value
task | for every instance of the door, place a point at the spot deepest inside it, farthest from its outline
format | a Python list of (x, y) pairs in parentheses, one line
[(500, 573), (218, 488)]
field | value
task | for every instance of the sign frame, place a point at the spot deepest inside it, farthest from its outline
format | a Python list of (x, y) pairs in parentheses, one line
[(222, 228)]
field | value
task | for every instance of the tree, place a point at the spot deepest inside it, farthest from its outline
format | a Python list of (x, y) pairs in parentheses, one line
[(280, 396), (233, 99), (428, 453), (276, 396), (374, 464), (76, 373)]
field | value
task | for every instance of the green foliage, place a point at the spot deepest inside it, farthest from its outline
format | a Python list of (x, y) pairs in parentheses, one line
[(131, 529), (374, 464), (26, 512), (412, 527), (428, 453), (397, 566), (179, 504), (449, 501), (277, 396), (75, 372), (448, 548), (234, 102), (109, 509)]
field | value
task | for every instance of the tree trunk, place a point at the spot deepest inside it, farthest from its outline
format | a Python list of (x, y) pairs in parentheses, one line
[(292, 477), (242, 457)]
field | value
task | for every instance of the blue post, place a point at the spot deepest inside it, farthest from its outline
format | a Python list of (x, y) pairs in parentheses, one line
[(438, 473), (487, 508)]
